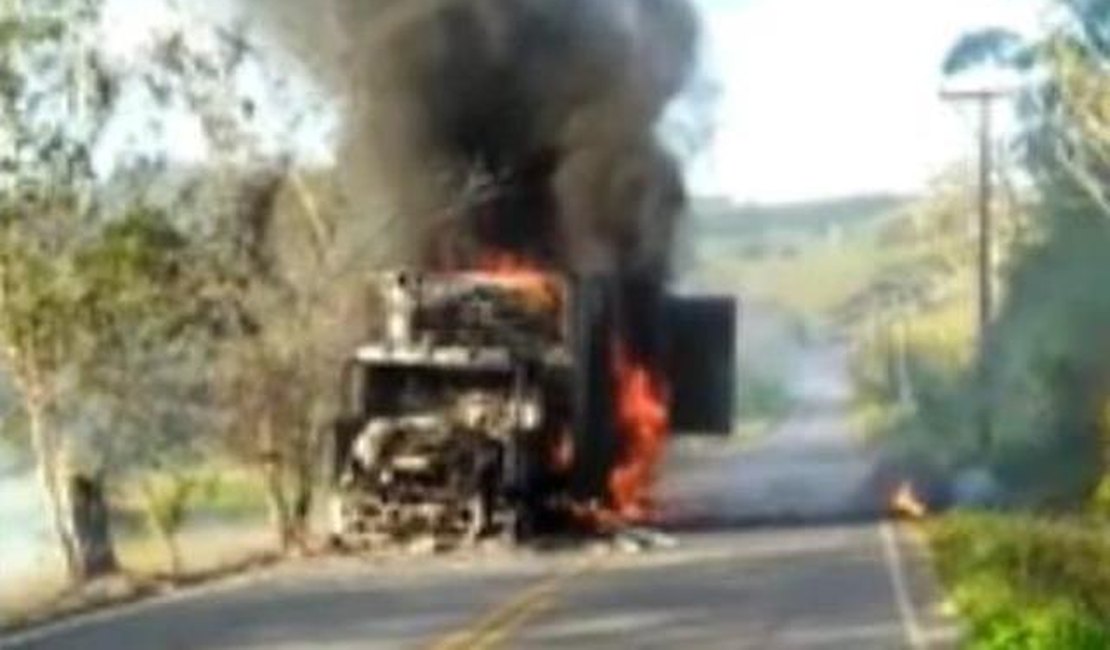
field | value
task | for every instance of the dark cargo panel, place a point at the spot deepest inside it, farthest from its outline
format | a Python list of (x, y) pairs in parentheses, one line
[(702, 364)]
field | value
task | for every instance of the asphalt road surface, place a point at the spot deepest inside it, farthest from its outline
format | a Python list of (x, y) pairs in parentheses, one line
[(772, 549)]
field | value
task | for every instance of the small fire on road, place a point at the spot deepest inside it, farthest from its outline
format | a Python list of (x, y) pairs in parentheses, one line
[(906, 503)]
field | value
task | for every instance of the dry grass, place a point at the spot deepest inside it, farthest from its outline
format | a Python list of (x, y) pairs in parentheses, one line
[(207, 552), (202, 548), (29, 592)]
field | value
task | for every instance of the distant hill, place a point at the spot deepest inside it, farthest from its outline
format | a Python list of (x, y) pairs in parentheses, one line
[(808, 258), (717, 217)]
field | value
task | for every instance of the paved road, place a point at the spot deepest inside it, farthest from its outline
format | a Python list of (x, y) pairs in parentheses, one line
[(811, 468), (849, 586)]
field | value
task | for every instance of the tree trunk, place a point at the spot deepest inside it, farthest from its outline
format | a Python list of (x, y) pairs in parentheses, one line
[(304, 484), (46, 460), (302, 508), (92, 537), (173, 551), (161, 525), (276, 500), (278, 506)]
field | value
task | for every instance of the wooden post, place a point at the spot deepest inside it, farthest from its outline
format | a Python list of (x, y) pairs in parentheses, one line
[(984, 99)]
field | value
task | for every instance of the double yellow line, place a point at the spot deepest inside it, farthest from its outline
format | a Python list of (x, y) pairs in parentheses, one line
[(493, 629)]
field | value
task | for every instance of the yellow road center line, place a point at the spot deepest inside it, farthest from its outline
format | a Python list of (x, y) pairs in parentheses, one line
[(469, 636), (498, 636), (494, 627)]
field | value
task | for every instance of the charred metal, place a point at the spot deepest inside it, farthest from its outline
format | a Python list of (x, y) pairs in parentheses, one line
[(482, 405)]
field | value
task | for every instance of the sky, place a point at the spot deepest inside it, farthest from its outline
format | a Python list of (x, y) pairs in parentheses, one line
[(823, 98), (129, 28), (817, 98)]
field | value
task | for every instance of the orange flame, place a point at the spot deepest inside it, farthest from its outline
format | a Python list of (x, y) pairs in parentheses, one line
[(641, 405), (523, 275), (505, 263), (643, 421), (906, 503)]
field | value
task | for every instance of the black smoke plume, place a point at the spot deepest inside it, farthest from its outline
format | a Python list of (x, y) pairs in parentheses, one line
[(523, 126)]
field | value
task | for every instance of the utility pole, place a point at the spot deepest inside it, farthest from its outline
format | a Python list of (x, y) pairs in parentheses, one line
[(984, 99)]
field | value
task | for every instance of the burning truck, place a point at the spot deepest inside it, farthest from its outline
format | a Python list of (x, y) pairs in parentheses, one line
[(497, 403), (524, 156)]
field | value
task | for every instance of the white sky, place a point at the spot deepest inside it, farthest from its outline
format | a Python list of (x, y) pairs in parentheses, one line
[(818, 97), (833, 97), (131, 25)]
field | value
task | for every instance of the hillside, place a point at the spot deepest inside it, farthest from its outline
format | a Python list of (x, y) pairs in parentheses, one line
[(721, 217), (807, 258)]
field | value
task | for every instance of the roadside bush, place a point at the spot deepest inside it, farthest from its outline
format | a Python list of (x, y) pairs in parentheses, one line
[(1100, 502), (1024, 583), (1050, 360)]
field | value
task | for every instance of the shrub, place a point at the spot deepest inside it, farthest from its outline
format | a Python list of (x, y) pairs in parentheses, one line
[(1024, 583)]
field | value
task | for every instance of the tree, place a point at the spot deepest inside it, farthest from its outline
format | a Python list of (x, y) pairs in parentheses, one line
[(1053, 362), (131, 306), (303, 297), (1065, 105), (166, 498), (288, 260), (90, 289), (142, 365), (50, 124)]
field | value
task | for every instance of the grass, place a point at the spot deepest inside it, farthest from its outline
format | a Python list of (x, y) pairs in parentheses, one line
[(225, 529), (205, 547), (1025, 583), (207, 550)]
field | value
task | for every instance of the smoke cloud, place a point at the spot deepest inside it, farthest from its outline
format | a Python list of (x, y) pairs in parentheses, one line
[(521, 125)]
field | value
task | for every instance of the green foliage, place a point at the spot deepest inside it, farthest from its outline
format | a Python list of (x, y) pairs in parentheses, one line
[(991, 46), (110, 309), (1024, 583), (167, 496), (1051, 370), (1004, 626), (1047, 352), (1052, 358), (38, 287), (937, 430), (1100, 502)]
